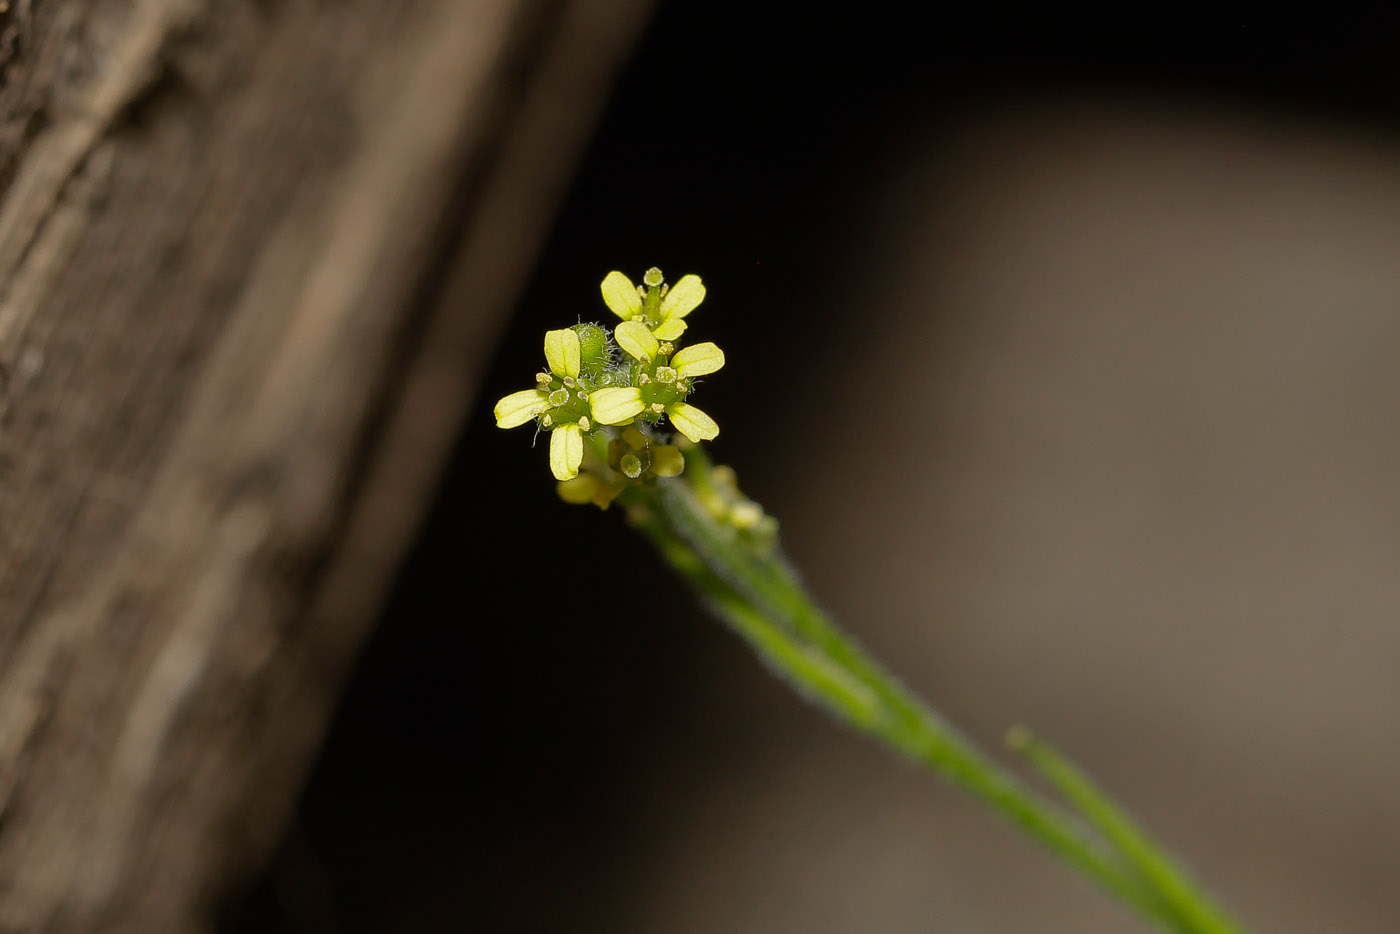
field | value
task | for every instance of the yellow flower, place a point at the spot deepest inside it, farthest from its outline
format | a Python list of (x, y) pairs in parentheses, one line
[(658, 306), (632, 456), (559, 402), (663, 378)]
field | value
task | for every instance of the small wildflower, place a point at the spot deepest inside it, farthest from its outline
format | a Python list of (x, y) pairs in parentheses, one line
[(663, 378), (589, 390), (632, 457), (559, 401), (659, 307)]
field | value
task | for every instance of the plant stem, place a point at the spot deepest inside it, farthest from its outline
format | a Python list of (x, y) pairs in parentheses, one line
[(1194, 909), (755, 591)]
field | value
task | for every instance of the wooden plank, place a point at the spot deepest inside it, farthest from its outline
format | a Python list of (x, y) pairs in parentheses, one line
[(250, 256)]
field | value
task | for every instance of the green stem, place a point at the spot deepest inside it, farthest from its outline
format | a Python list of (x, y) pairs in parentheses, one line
[(757, 593), (1193, 908)]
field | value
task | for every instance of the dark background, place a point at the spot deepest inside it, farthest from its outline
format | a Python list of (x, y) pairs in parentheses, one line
[(535, 674)]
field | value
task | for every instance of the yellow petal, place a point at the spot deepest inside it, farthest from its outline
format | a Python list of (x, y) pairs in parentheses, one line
[(579, 490), (616, 405), (682, 298), (565, 451), (698, 359), (667, 460), (562, 350), (691, 422), (670, 330), (635, 338), (519, 407), (620, 295)]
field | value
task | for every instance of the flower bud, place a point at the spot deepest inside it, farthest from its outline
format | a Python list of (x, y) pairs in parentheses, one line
[(594, 351)]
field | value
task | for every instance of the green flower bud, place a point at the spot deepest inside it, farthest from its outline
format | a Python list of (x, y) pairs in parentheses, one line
[(593, 346)]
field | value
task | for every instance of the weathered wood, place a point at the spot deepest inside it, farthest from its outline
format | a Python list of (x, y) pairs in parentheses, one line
[(249, 256)]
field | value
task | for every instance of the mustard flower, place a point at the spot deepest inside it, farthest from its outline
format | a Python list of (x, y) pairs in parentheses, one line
[(559, 401), (658, 306), (661, 379), (632, 456)]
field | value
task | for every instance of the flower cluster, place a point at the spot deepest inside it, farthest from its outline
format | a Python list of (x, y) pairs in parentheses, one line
[(636, 378)]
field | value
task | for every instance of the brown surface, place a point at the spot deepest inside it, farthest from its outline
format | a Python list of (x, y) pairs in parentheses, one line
[(249, 254)]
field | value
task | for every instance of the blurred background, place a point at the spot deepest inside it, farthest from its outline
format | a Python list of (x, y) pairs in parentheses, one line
[(1066, 359)]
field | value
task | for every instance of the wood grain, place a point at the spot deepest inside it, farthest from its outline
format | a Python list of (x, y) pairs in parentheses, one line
[(251, 254)]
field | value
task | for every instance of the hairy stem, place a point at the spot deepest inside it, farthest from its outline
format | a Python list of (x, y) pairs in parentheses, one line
[(755, 591)]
